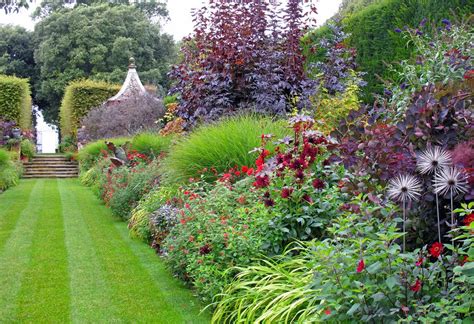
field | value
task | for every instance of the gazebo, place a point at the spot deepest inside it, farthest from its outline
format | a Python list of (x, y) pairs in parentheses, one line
[(132, 88)]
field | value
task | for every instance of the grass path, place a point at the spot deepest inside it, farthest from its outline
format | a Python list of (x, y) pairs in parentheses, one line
[(64, 258)]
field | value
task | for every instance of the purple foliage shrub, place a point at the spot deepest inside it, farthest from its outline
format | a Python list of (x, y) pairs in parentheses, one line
[(243, 55), (126, 118)]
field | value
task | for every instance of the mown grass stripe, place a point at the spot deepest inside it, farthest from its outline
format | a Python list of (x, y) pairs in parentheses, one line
[(90, 293), (16, 253), (12, 204), (136, 295), (173, 290), (44, 295)]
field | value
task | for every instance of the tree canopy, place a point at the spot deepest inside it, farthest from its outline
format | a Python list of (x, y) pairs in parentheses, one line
[(16, 52), (96, 42)]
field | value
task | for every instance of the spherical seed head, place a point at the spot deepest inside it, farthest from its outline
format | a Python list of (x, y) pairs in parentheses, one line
[(433, 159), (404, 188), (450, 181)]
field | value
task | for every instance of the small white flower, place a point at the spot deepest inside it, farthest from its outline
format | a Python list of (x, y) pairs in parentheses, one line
[(450, 181), (404, 188), (433, 159)]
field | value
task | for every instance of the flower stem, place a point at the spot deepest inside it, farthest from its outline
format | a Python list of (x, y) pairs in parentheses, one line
[(404, 226), (452, 218), (437, 215)]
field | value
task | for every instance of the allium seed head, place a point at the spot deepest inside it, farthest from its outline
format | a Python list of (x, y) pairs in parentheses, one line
[(432, 160), (450, 181), (404, 188)]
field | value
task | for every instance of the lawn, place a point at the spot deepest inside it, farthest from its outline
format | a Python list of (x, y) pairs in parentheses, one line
[(65, 258)]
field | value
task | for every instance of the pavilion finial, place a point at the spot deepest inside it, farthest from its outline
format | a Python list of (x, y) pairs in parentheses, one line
[(131, 63)]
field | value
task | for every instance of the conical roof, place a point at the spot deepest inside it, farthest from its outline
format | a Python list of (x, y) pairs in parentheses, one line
[(132, 87)]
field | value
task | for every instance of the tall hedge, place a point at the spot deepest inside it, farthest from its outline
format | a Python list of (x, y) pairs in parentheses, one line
[(372, 25), (372, 31), (15, 100), (79, 98)]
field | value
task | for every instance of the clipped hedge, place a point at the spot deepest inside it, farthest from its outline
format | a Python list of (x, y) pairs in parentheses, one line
[(15, 100), (79, 98), (373, 33)]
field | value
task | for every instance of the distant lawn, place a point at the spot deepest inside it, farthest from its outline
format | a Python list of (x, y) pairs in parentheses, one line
[(64, 258)]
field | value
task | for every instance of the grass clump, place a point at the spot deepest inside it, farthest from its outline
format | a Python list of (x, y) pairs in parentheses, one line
[(91, 153), (220, 146), (151, 144)]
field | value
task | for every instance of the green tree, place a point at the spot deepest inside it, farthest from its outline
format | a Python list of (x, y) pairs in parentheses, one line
[(152, 8), (16, 52), (96, 42)]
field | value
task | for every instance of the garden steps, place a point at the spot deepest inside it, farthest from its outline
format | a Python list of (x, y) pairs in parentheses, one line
[(50, 166)]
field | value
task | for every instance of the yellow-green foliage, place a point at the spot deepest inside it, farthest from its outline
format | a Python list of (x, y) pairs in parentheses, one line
[(15, 100), (331, 109), (79, 98)]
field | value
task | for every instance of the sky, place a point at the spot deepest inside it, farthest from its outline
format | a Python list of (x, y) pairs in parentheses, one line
[(180, 23)]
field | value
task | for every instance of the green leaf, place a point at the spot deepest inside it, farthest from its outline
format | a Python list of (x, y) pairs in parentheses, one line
[(373, 268), (391, 282), (353, 309)]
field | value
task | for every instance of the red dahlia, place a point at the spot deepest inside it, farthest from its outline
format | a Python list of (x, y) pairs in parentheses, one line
[(436, 249), (416, 286)]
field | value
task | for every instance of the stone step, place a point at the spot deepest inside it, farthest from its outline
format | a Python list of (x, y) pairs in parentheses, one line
[(49, 176), (46, 165)]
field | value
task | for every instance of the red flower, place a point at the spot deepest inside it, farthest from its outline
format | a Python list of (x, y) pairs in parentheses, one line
[(286, 192), (269, 202), (186, 205), (420, 262), (308, 198), (318, 184), (245, 169), (436, 249), (205, 249), (327, 311), (265, 153), (262, 181), (260, 161), (191, 238), (416, 286), (250, 171), (469, 74), (360, 266), (237, 173), (468, 219)]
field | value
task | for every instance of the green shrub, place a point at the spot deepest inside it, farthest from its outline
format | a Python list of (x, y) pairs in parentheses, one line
[(79, 98), (27, 149), (15, 101), (221, 146), (130, 185), (9, 171), (217, 227), (151, 144), (139, 223), (91, 153)]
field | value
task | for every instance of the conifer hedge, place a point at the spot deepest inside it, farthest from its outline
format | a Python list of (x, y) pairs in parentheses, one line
[(15, 100), (79, 98)]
